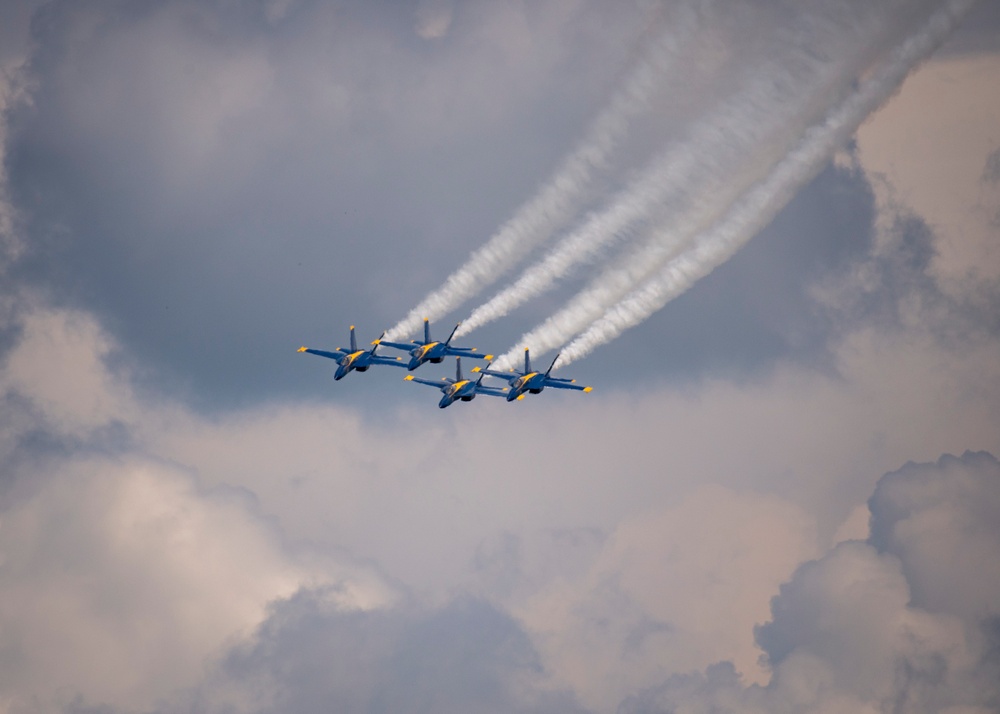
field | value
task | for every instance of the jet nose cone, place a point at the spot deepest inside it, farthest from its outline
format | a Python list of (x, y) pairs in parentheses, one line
[(511, 396), (414, 363)]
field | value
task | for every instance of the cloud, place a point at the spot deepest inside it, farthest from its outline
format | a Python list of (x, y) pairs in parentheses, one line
[(193, 171), (465, 656), (672, 589), (939, 520), (348, 546), (121, 573), (852, 631)]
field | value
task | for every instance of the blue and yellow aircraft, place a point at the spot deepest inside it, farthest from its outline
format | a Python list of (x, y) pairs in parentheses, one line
[(431, 351), (354, 358), (528, 381), (458, 388)]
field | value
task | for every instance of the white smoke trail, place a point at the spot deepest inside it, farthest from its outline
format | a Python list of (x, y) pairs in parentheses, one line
[(711, 202), (758, 207), (537, 219), (697, 178), (694, 182)]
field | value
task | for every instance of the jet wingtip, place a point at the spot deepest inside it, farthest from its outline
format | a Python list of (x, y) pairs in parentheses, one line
[(588, 389), (408, 378), (302, 349), (476, 369)]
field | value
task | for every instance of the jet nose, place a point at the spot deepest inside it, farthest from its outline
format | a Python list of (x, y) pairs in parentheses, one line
[(511, 395), (414, 363)]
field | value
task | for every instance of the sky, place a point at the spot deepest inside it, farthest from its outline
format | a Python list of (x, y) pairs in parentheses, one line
[(782, 494)]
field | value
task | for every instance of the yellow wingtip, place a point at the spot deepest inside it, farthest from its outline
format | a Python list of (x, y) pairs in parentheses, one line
[(588, 389), (352, 327), (520, 397), (408, 378), (476, 369), (488, 358), (302, 349)]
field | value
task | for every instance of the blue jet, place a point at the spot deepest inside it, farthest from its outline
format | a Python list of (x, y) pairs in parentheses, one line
[(528, 381), (431, 351), (458, 388), (354, 358)]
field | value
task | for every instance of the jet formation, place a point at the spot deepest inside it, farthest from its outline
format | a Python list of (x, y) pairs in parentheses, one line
[(458, 389)]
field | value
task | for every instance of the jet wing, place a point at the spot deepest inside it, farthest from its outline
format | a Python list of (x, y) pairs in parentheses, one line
[(398, 345), (467, 352), (323, 353), (393, 361), (492, 391), (496, 373), (439, 383), (566, 384)]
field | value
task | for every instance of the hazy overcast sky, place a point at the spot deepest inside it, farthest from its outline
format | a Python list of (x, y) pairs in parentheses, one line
[(782, 495)]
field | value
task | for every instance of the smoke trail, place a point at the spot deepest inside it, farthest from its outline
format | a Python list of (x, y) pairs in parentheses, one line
[(758, 208), (698, 177), (709, 206), (537, 219)]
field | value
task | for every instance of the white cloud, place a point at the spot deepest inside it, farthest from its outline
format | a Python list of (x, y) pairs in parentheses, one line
[(927, 150), (121, 576), (848, 632), (672, 590)]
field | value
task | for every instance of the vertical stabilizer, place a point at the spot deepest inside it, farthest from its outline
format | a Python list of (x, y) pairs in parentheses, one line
[(427, 330), (354, 341), (552, 365)]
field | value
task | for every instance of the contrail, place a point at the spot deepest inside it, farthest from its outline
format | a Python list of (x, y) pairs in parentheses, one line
[(694, 181), (559, 199), (757, 208)]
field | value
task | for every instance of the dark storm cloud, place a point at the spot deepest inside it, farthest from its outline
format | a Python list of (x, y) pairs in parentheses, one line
[(222, 187), (223, 183)]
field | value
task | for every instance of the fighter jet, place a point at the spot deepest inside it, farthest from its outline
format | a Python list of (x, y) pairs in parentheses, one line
[(458, 388), (431, 351), (354, 358), (528, 381)]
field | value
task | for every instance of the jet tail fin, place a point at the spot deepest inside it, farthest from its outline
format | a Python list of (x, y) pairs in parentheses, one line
[(527, 361), (427, 330), (458, 369), (354, 341), (376, 343), (553, 364), (448, 341)]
